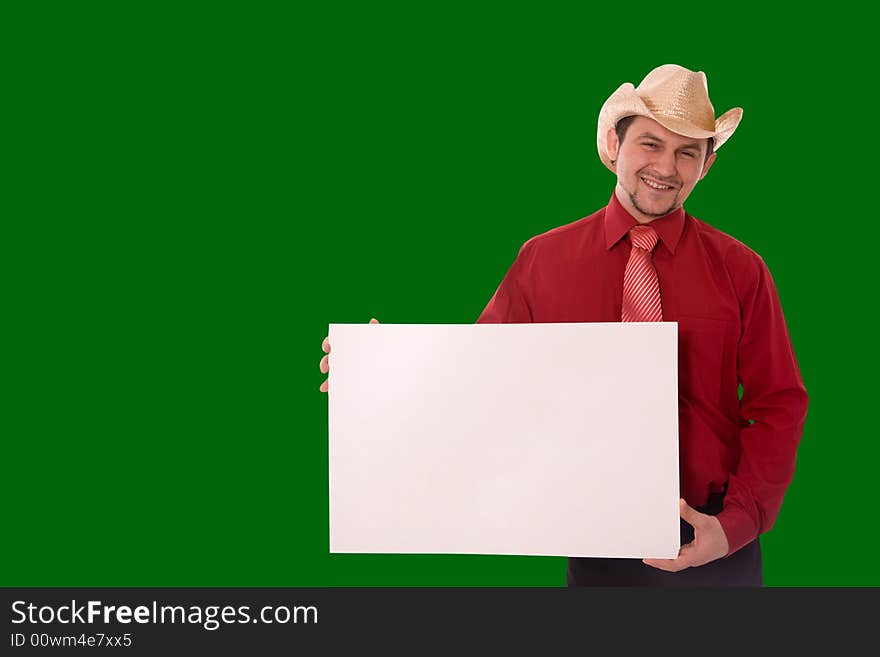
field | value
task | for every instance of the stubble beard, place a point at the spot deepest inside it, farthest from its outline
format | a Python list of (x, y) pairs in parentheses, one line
[(634, 199)]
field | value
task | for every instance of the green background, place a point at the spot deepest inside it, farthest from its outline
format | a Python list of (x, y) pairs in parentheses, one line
[(191, 194)]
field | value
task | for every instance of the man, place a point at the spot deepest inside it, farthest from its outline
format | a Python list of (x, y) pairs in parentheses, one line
[(643, 258)]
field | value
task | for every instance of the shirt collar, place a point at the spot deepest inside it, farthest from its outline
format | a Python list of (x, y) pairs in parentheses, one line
[(618, 222)]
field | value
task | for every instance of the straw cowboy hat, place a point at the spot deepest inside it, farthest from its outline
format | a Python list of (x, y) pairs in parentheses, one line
[(676, 98)]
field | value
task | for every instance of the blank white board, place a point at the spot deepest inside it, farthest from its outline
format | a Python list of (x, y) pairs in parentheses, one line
[(521, 439)]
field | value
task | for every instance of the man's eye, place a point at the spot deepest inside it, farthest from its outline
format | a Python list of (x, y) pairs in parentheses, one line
[(688, 154), (650, 145)]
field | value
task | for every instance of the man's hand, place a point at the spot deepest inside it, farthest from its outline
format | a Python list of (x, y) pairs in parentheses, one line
[(709, 544), (325, 361)]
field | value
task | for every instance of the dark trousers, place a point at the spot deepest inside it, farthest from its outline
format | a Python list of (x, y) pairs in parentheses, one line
[(742, 568)]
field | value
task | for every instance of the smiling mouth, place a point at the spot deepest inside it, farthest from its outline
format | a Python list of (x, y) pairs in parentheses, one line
[(655, 185)]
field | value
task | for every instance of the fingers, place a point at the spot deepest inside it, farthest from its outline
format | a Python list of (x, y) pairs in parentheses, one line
[(324, 365), (709, 544), (682, 561), (685, 559), (690, 515), (669, 565)]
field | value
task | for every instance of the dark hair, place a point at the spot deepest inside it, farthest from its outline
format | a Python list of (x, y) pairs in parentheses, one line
[(623, 125)]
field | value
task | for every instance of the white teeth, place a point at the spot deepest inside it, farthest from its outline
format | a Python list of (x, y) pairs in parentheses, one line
[(655, 185)]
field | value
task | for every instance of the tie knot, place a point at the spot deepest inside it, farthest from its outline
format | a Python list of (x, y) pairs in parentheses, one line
[(644, 237)]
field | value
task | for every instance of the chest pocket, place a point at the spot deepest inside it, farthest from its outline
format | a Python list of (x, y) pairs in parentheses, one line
[(702, 370)]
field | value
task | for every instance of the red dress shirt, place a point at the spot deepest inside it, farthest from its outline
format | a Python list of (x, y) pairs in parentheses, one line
[(731, 331)]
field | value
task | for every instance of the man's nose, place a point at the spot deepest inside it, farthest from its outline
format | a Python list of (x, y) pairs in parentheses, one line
[(665, 163)]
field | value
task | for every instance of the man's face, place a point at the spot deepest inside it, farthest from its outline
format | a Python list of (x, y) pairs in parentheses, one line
[(656, 168)]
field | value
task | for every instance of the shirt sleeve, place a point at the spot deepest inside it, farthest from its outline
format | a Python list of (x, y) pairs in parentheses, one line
[(510, 304), (773, 406)]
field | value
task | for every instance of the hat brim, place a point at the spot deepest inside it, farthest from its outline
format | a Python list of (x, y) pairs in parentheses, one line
[(626, 102)]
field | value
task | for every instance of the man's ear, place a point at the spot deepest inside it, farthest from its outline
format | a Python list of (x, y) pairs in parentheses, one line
[(708, 165), (612, 144)]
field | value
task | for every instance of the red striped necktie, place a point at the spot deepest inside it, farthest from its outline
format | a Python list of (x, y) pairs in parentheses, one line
[(641, 289)]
